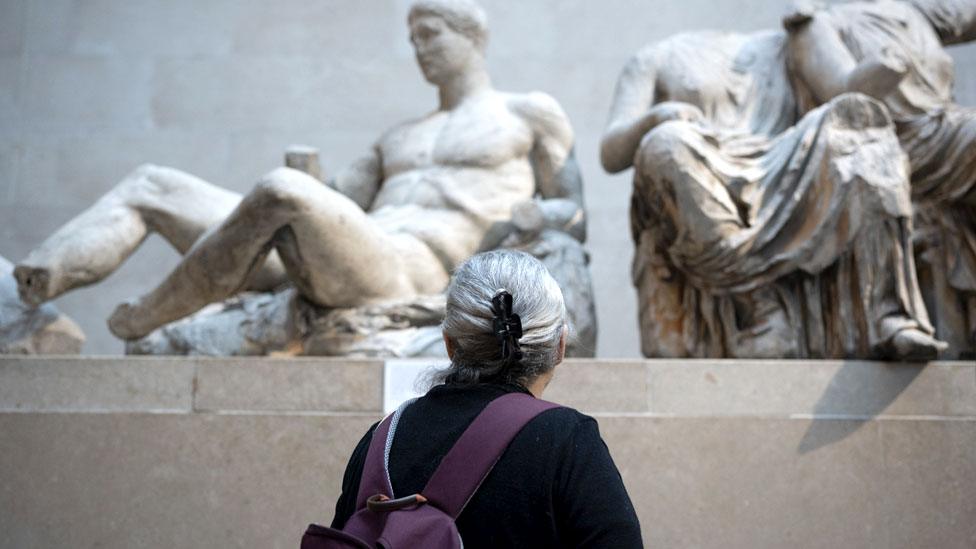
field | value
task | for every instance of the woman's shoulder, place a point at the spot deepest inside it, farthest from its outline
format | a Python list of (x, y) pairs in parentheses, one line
[(561, 423)]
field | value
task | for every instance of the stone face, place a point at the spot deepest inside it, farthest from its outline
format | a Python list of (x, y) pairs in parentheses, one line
[(28, 330)]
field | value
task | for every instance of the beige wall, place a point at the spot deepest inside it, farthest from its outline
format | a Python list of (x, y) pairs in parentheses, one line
[(91, 88), (123, 453)]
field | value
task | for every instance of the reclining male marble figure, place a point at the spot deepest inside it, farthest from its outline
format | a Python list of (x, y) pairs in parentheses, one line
[(913, 77), (430, 193), (760, 234)]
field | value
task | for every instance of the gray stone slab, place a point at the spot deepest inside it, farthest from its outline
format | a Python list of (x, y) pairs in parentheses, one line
[(11, 75), (10, 153), (13, 15), (47, 26), (82, 94), (52, 384), (300, 28), (819, 388), (180, 481), (930, 483), (742, 483), (88, 167), (255, 480), (261, 454), (593, 386), (269, 93), (964, 57), (615, 29), (289, 385), (176, 27)]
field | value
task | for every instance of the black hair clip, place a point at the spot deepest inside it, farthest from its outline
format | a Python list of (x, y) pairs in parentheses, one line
[(507, 326)]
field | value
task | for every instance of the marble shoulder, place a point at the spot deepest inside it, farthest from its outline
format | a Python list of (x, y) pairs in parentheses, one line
[(542, 113)]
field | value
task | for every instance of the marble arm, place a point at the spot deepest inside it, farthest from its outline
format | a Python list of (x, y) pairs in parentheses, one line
[(559, 204), (361, 180), (631, 116), (827, 68), (621, 140)]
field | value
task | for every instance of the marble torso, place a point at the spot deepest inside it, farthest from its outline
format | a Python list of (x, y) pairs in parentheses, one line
[(449, 176), (739, 81)]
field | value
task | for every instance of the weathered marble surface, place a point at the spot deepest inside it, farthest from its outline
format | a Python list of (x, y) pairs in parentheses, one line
[(33, 330), (760, 233), (284, 323), (894, 50), (388, 228)]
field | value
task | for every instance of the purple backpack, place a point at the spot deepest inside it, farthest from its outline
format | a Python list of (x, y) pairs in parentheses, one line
[(427, 519)]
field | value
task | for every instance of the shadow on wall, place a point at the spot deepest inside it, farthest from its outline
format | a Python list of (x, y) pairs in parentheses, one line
[(855, 398)]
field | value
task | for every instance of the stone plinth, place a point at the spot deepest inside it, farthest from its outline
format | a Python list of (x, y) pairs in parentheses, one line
[(139, 452)]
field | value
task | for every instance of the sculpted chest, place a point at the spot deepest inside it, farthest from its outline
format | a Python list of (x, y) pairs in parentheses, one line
[(482, 135)]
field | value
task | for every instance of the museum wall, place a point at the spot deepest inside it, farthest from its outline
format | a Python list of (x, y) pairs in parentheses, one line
[(89, 89)]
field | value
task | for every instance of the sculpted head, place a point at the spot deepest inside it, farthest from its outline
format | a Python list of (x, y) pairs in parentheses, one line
[(448, 36)]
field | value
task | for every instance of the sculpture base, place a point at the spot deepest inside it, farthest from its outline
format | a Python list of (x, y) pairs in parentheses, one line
[(199, 452)]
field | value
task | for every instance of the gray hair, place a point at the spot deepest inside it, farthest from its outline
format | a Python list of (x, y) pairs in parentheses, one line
[(537, 300), (462, 16)]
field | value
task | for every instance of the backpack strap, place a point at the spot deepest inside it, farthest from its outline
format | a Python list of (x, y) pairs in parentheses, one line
[(375, 478), (473, 456)]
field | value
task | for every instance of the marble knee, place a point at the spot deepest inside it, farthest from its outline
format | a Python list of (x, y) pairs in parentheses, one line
[(658, 159), (283, 188)]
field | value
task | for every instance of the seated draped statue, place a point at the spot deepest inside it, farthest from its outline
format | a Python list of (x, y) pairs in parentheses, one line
[(431, 192), (893, 50), (759, 234)]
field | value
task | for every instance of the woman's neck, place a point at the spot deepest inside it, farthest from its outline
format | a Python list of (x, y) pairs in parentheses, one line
[(539, 384)]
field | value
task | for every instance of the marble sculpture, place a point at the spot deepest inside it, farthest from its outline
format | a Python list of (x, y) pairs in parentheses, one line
[(913, 78), (378, 238), (775, 219)]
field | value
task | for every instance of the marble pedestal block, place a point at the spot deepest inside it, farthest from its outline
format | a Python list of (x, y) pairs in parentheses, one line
[(144, 452)]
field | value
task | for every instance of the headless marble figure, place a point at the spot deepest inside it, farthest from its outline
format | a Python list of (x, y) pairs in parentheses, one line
[(430, 193), (894, 51), (758, 234)]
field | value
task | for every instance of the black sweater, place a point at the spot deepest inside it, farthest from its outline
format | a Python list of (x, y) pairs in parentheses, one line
[(555, 486)]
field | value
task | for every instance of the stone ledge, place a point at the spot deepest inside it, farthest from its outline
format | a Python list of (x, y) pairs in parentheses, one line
[(137, 452), (689, 388)]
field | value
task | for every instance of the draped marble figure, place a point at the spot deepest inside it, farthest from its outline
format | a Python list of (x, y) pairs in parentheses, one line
[(905, 40), (759, 233), (430, 193)]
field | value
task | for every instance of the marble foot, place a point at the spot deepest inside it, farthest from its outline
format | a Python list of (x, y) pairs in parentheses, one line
[(916, 346)]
